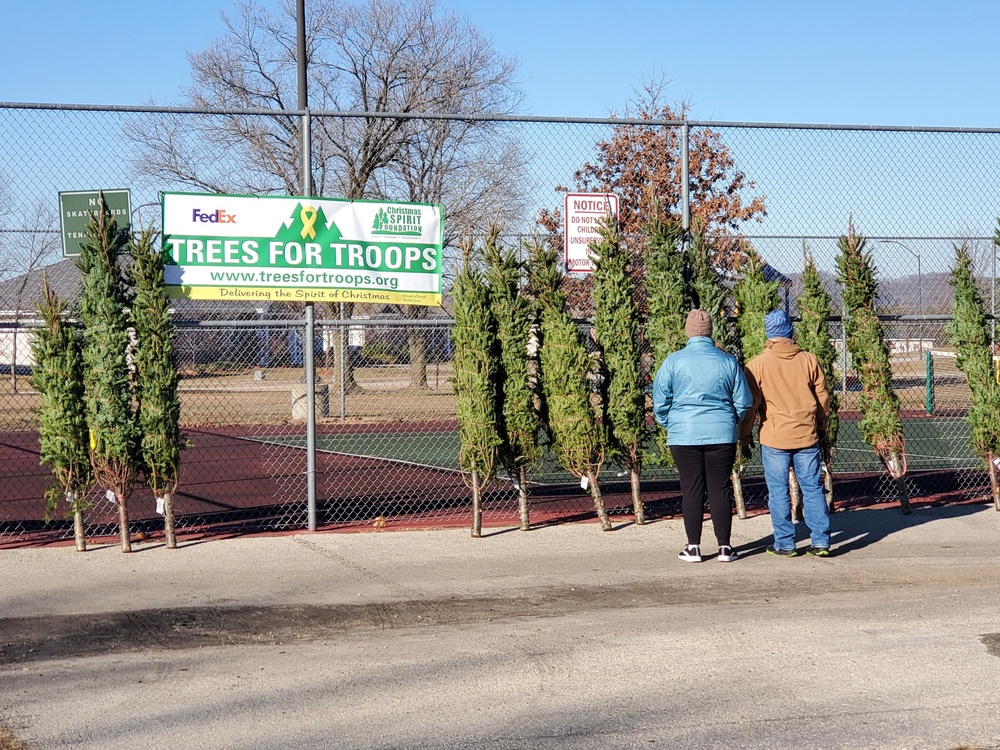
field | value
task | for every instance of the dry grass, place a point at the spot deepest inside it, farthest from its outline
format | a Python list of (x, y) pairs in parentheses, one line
[(240, 398), (9, 741)]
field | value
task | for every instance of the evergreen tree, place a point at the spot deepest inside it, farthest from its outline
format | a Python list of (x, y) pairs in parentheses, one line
[(514, 316), (157, 380), (477, 371), (813, 335), (970, 337), (709, 292), (668, 301), (616, 328), (755, 298), (111, 416), (572, 421), (62, 420), (881, 426)]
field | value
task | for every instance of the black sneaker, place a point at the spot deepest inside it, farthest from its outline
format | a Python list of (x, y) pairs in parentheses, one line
[(727, 554), (691, 553), (818, 551), (771, 550)]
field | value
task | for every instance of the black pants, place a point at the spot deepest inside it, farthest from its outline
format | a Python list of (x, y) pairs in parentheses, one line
[(705, 473)]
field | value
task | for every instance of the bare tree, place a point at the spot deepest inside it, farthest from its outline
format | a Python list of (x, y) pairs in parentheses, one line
[(472, 168), (642, 164), (371, 58), (33, 245)]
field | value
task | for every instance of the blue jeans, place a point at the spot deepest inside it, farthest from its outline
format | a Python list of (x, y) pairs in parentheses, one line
[(807, 470)]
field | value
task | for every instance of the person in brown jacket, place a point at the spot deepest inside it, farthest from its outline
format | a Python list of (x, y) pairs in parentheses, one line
[(793, 404)]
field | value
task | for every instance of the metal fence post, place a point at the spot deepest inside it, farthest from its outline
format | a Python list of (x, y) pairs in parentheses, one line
[(342, 364), (929, 383), (685, 183), (310, 366), (305, 186)]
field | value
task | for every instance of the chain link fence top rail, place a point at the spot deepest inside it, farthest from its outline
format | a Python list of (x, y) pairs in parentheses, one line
[(386, 430)]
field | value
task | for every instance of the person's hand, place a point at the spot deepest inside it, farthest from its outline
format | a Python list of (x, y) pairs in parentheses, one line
[(746, 447)]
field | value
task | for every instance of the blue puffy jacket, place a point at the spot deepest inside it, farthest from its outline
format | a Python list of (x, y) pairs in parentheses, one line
[(700, 394)]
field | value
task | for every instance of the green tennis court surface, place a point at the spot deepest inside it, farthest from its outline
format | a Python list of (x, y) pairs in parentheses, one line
[(931, 442)]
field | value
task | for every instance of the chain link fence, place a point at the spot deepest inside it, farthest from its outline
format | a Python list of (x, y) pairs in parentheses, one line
[(386, 439)]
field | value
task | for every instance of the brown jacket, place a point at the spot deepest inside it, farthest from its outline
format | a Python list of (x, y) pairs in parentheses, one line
[(789, 395)]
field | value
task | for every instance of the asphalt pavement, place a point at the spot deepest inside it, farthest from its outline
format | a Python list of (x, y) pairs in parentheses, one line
[(562, 637)]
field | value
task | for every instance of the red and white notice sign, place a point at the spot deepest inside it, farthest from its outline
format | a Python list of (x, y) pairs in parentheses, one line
[(584, 214)]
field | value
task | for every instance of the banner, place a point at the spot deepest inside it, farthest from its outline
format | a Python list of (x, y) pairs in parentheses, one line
[(288, 249)]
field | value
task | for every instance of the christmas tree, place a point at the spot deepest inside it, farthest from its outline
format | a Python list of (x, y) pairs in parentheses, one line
[(111, 419), (668, 300), (616, 322), (514, 316), (572, 420), (755, 298), (813, 335), (709, 292), (881, 426), (157, 380), (708, 289), (62, 419), (970, 337), (477, 372)]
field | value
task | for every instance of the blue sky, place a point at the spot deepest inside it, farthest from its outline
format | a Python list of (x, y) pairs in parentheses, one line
[(847, 62)]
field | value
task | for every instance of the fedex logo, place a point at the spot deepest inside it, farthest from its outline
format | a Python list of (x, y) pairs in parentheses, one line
[(218, 216)]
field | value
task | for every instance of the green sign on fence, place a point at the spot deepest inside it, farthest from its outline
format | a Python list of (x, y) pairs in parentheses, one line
[(76, 207)]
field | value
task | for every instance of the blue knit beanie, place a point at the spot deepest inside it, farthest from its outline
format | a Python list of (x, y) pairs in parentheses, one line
[(778, 326)]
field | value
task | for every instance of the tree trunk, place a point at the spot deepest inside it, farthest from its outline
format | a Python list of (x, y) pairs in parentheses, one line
[(828, 486), (417, 342), (638, 507), (123, 530), (13, 359), (342, 369), (522, 500), (795, 493), (994, 483), (477, 506), (595, 492), (78, 533), (741, 508), (168, 520), (904, 496)]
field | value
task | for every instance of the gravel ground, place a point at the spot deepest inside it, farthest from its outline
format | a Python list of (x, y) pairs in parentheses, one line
[(564, 637)]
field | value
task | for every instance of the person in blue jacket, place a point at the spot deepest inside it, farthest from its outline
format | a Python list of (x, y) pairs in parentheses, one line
[(699, 396)]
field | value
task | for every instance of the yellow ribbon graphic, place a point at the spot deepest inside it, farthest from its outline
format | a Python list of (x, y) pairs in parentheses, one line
[(308, 217)]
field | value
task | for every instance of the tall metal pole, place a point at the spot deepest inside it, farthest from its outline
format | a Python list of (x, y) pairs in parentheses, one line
[(685, 185), (305, 188)]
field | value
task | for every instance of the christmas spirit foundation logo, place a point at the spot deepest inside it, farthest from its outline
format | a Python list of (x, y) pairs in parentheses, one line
[(398, 221)]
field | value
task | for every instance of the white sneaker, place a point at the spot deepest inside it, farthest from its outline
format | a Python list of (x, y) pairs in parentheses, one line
[(728, 554), (691, 553)]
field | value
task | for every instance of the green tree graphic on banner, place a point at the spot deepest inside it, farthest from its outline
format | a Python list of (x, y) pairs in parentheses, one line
[(309, 224)]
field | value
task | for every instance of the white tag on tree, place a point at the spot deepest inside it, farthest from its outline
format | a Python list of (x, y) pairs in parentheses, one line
[(584, 482), (160, 504), (110, 496)]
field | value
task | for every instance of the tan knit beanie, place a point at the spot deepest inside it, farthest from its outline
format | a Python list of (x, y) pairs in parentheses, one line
[(698, 324)]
